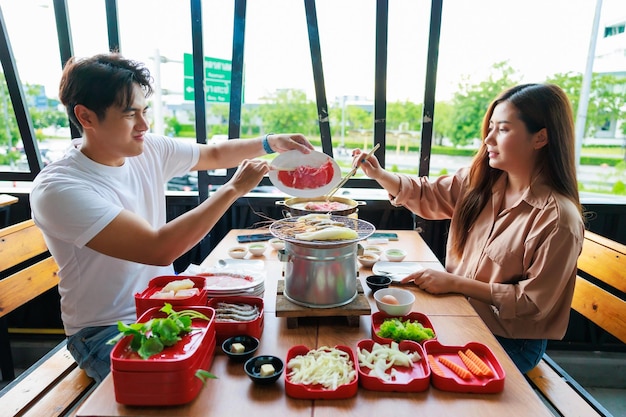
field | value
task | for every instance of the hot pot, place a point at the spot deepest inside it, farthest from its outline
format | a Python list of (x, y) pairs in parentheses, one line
[(296, 205), (320, 274)]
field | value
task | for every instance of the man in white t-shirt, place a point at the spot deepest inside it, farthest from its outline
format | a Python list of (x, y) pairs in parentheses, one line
[(102, 206)]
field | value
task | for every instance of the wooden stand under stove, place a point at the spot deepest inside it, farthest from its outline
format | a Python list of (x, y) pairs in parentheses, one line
[(360, 306)]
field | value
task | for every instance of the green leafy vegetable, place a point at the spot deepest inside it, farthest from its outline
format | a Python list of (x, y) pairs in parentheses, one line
[(204, 375), (151, 337), (398, 330)]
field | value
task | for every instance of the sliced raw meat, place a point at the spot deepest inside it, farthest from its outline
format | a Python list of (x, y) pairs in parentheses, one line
[(326, 206), (307, 177), (226, 280)]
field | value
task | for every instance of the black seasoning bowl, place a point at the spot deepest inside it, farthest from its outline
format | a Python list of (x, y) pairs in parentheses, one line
[(253, 369), (377, 282), (250, 344)]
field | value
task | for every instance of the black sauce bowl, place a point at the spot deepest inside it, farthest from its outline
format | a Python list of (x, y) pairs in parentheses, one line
[(377, 282), (253, 365), (250, 344)]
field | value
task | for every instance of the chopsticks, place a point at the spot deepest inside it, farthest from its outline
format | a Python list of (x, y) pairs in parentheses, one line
[(349, 174)]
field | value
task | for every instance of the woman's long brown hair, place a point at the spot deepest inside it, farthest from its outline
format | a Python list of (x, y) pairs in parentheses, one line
[(539, 106)]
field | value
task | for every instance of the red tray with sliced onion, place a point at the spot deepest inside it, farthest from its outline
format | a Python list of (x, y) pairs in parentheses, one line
[(400, 367)]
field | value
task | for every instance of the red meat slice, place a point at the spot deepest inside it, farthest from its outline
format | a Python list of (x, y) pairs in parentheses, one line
[(307, 177)]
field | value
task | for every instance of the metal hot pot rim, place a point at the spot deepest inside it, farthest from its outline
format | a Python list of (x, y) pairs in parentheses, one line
[(296, 205)]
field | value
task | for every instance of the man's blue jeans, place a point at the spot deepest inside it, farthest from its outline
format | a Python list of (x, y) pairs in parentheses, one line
[(90, 350)]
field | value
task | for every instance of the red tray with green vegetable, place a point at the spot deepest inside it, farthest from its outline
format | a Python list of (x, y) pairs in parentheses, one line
[(400, 367), (138, 349), (470, 368), (414, 326), (163, 358)]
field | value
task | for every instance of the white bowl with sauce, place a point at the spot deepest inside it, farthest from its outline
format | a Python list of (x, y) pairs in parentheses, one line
[(238, 252), (257, 249), (395, 254), (368, 259), (277, 243)]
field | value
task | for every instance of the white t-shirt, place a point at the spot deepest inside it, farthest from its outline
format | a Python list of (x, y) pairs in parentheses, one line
[(74, 198)]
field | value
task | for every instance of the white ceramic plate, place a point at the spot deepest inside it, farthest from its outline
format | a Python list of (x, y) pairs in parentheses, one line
[(294, 159), (238, 264), (396, 270), (228, 282)]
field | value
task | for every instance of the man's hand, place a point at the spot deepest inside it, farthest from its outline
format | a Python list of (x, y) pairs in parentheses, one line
[(249, 174), (289, 142)]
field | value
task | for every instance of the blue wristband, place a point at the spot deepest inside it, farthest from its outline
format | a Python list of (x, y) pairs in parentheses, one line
[(266, 145)]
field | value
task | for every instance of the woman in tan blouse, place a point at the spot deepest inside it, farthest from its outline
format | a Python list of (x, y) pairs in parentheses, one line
[(516, 226)]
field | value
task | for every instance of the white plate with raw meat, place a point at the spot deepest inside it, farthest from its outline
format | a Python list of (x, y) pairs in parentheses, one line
[(231, 282), (304, 175)]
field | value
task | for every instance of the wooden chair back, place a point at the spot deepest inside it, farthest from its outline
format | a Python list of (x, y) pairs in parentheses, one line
[(23, 244), (605, 261)]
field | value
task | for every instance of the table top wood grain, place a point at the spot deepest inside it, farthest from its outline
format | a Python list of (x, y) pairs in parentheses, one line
[(453, 318)]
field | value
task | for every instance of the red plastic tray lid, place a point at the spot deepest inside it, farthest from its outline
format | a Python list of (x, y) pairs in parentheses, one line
[(379, 317), (378, 373), (318, 391), (176, 357), (161, 388), (487, 377), (158, 283)]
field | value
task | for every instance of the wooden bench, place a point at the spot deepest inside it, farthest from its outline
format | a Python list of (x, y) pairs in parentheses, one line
[(54, 385), (598, 296)]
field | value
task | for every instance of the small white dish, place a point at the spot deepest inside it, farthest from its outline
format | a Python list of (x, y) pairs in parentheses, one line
[(373, 248), (238, 252), (277, 243), (368, 259), (394, 301), (395, 254), (257, 249)]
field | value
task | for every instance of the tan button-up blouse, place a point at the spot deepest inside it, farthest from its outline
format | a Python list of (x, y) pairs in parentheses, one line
[(527, 253)]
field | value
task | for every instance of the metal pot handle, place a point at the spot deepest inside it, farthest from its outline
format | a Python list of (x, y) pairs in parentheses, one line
[(361, 203), (283, 256), (280, 203)]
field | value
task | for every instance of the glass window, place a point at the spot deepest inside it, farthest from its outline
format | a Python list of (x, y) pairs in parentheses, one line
[(485, 46)]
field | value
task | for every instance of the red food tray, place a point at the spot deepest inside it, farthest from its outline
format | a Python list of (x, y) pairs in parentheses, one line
[(379, 317), (224, 330), (450, 381), (406, 379), (318, 392), (143, 301), (162, 388), (172, 358), (169, 377)]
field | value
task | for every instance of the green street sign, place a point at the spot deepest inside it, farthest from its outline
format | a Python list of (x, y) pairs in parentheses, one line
[(217, 74)]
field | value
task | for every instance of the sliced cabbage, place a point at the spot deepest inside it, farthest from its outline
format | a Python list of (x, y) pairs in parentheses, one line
[(329, 233), (329, 367)]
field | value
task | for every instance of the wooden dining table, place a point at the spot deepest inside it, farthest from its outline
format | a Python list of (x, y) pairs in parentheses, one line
[(234, 394)]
